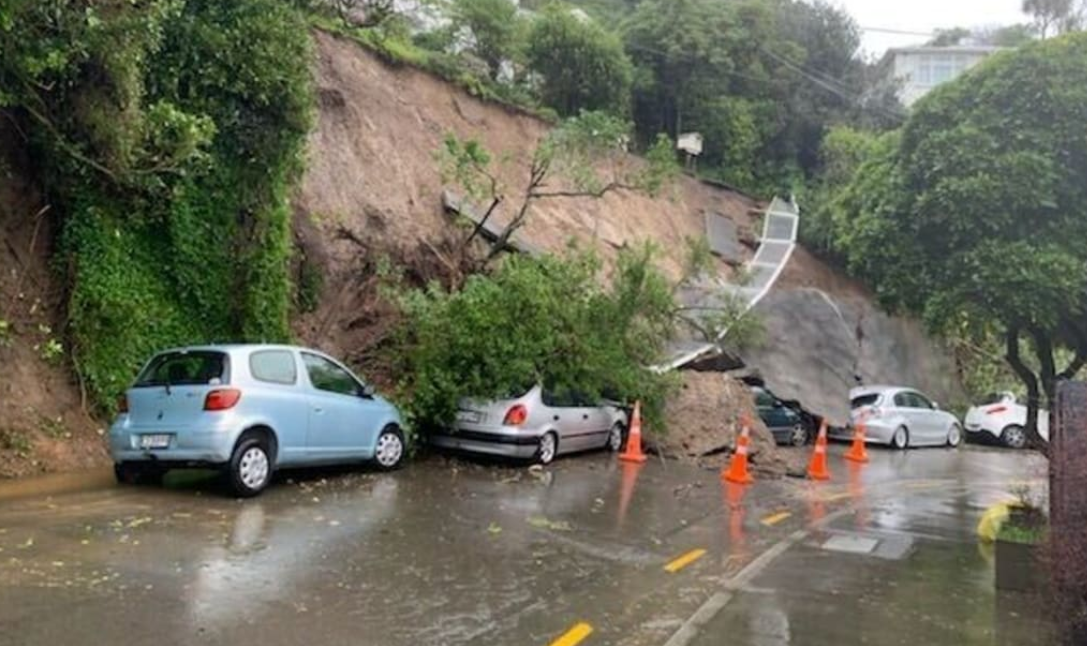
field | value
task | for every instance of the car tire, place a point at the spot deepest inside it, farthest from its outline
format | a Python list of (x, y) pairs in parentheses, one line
[(390, 449), (901, 438), (250, 468), (128, 473), (548, 448), (615, 438), (798, 435), (954, 436), (1013, 436)]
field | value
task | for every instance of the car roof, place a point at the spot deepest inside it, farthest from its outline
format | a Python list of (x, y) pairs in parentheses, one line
[(878, 390), (232, 347)]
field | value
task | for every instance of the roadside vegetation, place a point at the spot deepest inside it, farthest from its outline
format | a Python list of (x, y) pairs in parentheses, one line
[(972, 215), (751, 76), (168, 133)]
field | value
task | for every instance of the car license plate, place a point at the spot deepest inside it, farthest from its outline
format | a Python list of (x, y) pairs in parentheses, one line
[(158, 441), (469, 416)]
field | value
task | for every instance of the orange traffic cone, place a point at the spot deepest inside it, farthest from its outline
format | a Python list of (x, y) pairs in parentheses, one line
[(737, 469), (858, 452), (817, 469), (633, 452)]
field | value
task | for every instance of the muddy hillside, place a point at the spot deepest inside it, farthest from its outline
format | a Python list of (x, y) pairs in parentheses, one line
[(44, 425), (373, 187)]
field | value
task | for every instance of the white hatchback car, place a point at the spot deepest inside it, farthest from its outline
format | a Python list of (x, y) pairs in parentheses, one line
[(1002, 418), (901, 417)]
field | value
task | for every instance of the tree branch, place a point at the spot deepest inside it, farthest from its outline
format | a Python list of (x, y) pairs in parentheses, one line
[(612, 186)]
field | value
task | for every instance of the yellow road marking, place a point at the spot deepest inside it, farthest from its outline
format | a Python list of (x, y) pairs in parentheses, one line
[(574, 636), (775, 518), (836, 497), (684, 561)]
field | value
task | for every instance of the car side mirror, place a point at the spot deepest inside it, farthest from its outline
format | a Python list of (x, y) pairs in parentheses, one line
[(778, 404), (935, 406), (366, 392)]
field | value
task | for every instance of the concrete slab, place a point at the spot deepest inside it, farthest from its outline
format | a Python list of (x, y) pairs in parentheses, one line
[(850, 544)]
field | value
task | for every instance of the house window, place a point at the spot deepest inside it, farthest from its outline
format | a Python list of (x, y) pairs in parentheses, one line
[(924, 71), (943, 69)]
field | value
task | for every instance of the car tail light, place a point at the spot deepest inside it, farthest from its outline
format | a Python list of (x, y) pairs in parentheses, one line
[(996, 409), (122, 404), (516, 415), (222, 399)]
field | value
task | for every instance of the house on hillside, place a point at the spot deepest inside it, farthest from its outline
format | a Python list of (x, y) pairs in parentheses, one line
[(917, 70)]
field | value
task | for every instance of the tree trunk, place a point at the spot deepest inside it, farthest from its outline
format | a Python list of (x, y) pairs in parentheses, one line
[(1027, 376), (1044, 347)]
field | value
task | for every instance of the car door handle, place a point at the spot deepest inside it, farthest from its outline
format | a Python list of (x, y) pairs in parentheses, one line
[(556, 418), (318, 409)]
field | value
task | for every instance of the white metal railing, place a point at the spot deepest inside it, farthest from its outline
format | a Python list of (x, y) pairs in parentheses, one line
[(778, 242)]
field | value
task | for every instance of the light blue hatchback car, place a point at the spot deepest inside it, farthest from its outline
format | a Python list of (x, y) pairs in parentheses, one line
[(249, 410)]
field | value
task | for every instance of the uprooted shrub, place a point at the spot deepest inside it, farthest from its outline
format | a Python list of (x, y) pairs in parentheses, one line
[(550, 320)]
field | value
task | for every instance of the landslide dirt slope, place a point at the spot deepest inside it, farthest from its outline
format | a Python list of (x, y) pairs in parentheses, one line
[(373, 186), (42, 423)]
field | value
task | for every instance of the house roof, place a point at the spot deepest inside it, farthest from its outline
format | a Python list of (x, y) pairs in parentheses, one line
[(956, 49)]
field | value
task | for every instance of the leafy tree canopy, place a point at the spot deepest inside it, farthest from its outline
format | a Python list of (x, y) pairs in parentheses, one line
[(977, 215), (582, 66)]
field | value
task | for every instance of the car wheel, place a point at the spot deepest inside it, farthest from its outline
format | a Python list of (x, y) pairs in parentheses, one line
[(549, 445), (901, 439), (250, 468), (954, 436), (1014, 437), (137, 474), (798, 435), (389, 452), (615, 438)]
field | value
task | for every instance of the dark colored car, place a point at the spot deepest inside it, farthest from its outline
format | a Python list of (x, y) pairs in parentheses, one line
[(785, 423)]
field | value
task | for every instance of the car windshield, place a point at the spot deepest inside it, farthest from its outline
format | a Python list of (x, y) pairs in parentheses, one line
[(184, 368), (864, 400)]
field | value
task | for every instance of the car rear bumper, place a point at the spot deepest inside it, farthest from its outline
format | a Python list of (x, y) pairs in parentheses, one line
[(513, 445), (196, 448), (979, 432), (874, 433)]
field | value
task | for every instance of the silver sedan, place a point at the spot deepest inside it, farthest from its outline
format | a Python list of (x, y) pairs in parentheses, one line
[(901, 418), (540, 425)]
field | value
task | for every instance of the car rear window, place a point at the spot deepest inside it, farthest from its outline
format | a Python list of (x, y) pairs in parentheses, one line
[(864, 400), (992, 398), (274, 366), (185, 368)]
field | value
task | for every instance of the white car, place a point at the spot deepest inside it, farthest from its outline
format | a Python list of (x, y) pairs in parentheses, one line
[(1000, 417), (901, 418)]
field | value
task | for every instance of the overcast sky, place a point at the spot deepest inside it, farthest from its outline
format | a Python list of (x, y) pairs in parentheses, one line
[(925, 16)]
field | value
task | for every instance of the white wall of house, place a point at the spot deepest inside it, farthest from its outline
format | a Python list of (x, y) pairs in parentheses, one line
[(919, 69)]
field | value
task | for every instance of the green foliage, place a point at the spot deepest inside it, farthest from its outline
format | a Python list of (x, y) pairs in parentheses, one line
[(169, 132), (752, 77), (5, 333), (538, 320), (15, 441), (825, 220), (588, 153), (495, 29), (582, 65), (430, 51), (974, 216)]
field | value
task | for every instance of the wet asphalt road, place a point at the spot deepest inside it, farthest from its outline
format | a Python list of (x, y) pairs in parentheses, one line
[(454, 552)]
